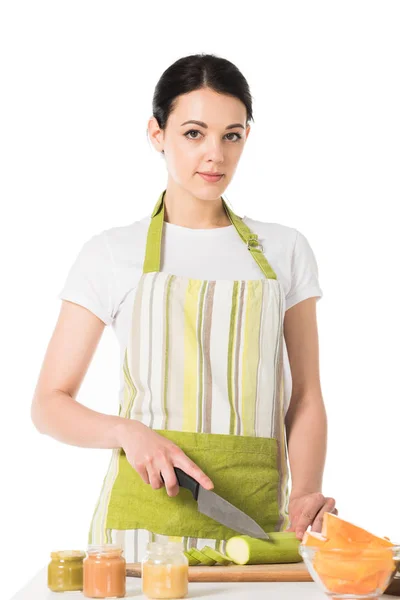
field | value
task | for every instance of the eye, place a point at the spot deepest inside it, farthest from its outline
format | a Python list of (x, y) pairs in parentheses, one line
[(238, 136), (192, 131), (190, 137)]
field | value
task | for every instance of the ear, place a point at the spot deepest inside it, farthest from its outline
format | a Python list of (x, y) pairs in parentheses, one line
[(156, 134)]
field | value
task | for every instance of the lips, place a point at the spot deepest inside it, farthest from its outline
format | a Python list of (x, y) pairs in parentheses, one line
[(211, 173), (212, 178)]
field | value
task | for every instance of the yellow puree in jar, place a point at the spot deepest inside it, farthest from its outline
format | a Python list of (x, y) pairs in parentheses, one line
[(164, 581)]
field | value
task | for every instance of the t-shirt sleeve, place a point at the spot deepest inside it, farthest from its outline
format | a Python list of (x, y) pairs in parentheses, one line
[(304, 273), (91, 279)]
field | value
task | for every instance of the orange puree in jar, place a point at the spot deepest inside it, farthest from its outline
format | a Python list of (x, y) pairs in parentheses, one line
[(104, 572), (165, 571)]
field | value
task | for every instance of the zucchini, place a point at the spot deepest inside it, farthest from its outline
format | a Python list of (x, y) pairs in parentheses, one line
[(192, 560), (283, 548), (215, 555), (202, 558)]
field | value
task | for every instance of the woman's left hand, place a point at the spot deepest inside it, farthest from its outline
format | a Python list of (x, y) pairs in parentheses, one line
[(309, 509)]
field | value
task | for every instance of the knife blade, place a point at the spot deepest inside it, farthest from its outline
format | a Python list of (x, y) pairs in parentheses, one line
[(214, 506)]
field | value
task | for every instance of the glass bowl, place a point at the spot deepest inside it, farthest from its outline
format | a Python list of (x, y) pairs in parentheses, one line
[(351, 574)]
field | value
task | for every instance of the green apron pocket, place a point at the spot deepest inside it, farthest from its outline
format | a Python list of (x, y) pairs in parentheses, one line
[(244, 471)]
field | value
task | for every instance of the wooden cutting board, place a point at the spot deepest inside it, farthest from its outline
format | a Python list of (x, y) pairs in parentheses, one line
[(279, 572)]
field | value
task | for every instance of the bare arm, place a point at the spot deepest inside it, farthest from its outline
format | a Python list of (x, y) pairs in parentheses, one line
[(306, 423), (55, 411)]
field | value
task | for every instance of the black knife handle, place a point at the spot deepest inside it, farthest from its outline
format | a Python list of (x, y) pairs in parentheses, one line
[(186, 481)]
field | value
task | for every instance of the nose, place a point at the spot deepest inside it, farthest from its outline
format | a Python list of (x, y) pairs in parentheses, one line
[(214, 151)]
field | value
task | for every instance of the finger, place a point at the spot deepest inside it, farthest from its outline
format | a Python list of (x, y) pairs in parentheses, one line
[(308, 514), (141, 469), (154, 476), (170, 481), (329, 506), (183, 462), (292, 523)]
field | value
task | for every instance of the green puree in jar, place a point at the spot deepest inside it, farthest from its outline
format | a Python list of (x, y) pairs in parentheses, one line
[(65, 571)]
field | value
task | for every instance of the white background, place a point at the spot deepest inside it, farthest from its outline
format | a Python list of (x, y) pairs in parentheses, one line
[(323, 156)]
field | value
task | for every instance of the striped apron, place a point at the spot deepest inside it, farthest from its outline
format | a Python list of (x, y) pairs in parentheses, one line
[(204, 368)]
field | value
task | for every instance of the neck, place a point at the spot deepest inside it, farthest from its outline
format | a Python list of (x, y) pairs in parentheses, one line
[(184, 209)]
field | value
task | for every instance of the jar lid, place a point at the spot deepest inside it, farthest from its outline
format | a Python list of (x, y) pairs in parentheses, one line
[(68, 554), (109, 549), (165, 546)]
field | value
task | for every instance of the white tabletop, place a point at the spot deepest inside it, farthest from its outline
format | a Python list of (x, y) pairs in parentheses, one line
[(37, 590)]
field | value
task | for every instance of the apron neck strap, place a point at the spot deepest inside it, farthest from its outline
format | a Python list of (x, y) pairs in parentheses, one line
[(152, 261)]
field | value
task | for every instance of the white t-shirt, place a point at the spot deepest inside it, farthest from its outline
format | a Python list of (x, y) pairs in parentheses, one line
[(107, 270)]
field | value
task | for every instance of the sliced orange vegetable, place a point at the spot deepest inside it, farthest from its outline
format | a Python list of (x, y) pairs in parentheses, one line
[(312, 538), (337, 566), (362, 564), (342, 533), (341, 586), (384, 578), (353, 566)]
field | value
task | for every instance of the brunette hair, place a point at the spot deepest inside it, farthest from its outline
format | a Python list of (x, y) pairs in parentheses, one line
[(195, 72)]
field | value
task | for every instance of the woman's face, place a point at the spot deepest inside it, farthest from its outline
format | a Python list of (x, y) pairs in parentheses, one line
[(213, 144)]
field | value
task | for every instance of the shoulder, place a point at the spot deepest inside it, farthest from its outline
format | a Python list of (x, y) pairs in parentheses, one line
[(292, 255), (268, 226), (121, 242), (281, 236), (124, 234), (107, 267), (285, 237)]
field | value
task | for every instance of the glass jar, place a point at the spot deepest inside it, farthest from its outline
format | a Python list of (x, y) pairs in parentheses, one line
[(65, 571), (165, 571), (104, 572)]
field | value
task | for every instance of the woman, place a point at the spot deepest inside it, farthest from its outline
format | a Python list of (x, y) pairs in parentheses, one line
[(216, 317)]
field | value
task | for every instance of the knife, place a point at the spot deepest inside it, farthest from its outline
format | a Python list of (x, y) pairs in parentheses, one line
[(219, 509)]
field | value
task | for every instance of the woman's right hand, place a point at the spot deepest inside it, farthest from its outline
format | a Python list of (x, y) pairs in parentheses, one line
[(151, 455)]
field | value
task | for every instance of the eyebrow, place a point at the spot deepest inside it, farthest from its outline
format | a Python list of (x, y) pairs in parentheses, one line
[(202, 124)]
